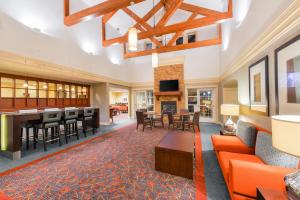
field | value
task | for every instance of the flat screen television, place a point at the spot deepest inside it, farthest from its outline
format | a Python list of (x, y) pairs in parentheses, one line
[(169, 86)]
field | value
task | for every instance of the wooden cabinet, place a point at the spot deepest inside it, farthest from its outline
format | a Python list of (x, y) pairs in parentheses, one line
[(19, 92)]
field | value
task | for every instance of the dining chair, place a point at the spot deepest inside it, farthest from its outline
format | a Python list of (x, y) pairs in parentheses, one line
[(140, 119), (184, 117), (174, 122), (158, 119), (193, 123), (70, 120), (51, 119), (27, 126)]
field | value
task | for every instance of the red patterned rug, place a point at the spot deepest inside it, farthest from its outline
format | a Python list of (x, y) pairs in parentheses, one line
[(118, 165)]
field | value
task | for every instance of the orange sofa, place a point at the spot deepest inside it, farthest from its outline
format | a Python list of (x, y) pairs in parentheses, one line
[(4, 197), (245, 168)]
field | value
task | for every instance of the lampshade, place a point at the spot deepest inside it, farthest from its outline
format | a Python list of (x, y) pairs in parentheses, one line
[(286, 133), (132, 39), (230, 109), (154, 60)]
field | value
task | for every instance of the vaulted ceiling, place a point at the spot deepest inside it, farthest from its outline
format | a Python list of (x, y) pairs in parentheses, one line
[(47, 16)]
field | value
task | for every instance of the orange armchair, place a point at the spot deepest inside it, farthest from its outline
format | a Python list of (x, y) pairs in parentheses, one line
[(245, 177)]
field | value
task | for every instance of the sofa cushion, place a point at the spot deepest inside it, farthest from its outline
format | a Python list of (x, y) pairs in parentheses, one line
[(230, 144), (246, 132), (272, 156), (225, 157)]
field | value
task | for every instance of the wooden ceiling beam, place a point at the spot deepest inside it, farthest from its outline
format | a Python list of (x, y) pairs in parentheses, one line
[(94, 11), (196, 23), (108, 16), (143, 23), (198, 44), (137, 18), (179, 33), (173, 6), (200, 10)]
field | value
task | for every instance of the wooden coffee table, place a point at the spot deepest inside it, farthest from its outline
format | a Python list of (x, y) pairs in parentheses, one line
[(175, 153)]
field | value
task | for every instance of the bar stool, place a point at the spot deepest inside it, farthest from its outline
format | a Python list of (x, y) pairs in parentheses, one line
[(70, 119), (27, 126), (51, 119), (88, 118)]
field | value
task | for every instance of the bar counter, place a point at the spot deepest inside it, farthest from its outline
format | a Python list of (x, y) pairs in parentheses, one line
[(10, 131)]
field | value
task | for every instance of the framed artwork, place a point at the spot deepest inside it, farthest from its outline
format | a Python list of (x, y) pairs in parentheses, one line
[(259, 86), (287, 77)]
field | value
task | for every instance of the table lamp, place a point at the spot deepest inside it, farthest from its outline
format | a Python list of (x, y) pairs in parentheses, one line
[(286, 138), (230, 110)]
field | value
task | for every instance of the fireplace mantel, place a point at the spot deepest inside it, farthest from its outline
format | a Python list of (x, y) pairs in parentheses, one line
[(168, 94)]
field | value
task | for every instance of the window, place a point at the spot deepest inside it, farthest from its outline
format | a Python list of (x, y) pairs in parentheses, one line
[(51, 90), (192, 99), (150, 100), (191, 37), (60, 91), (148, 45), (7, 87), (179, 41), (67, 91), (144, 100), (43, 87), (32, 88), (73, 92), (21, 86)]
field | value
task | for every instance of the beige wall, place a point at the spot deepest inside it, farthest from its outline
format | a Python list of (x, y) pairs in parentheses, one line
[(118, 97), (241, 76), (100, 99)]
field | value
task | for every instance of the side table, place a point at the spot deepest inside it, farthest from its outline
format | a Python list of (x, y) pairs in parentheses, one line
[(269, 194)]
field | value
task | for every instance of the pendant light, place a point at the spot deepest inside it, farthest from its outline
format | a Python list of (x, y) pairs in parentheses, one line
[(155, 54), (132, 36), (154, 60)]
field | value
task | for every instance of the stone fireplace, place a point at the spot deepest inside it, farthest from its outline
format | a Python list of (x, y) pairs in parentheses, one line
[(169, 72), (168, 106)]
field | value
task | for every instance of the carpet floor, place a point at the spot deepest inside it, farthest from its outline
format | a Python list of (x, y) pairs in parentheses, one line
[(118, 165)]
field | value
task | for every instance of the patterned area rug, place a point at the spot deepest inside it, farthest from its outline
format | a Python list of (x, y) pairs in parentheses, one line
[(118, 165)]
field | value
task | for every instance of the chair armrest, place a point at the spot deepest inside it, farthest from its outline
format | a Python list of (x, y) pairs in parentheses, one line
[(245, 177)]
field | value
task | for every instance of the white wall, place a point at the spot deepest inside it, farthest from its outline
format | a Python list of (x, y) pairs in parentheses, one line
[(260, 15), (19, 39), (199, 63)]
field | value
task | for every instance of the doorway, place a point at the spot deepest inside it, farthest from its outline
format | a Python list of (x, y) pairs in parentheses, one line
[(118, 105), (204, 101)]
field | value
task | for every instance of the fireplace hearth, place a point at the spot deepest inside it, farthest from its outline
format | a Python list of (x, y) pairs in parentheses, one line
[(169, 106)]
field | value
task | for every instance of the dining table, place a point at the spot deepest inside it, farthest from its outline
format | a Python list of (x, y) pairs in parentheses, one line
[(10, 133), (180, 115)]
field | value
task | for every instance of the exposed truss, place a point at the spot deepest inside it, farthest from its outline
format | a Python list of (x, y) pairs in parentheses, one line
[(109, 8)]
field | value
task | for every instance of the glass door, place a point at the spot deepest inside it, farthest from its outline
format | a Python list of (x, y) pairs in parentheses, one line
[(144, 100), (207, 105)]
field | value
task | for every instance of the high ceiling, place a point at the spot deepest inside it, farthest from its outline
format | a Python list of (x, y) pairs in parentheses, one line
[(46, 16)]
